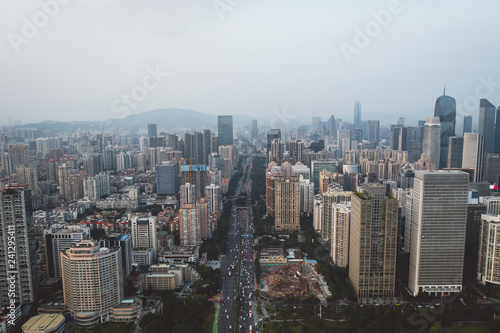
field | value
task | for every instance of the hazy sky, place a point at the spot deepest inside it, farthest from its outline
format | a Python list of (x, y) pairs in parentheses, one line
[(92, 60)]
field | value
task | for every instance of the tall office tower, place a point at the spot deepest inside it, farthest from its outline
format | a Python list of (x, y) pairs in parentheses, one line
[(439, 219), (276, 153), (124, 242), (414, 142), (401, 121), (317, 167), (271, 135), (188, 152), (340, 234), (467, 124), (207, 145), (287, 203), (473, 155), (455, 152), (58, 238), (26, 175), (254, 130), (188, 194), (489, 250), (357, 115), (332, 127), (166, 178), (373, 131), (432, 136), (92, 281), (446, 110), (472, 234), (394, 136), (306, 195), (152, 131), (487, 124), (492, 168), (496, 144), (403, 139), (373, 242), (301, 133), (15, 229), (357, 135), (188, 225), (213, 196), (198, 151), (316, 123), (109, 158), (92, 164), (225, 130), (143, 231)]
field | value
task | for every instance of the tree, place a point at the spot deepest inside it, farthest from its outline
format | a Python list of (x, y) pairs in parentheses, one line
[(148, 318)]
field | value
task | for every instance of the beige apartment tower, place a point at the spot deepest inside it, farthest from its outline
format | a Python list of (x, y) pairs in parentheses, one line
[(373, 242), (287, 203)]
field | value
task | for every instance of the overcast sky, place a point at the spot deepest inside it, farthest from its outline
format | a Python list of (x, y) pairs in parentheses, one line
[(87, 58)]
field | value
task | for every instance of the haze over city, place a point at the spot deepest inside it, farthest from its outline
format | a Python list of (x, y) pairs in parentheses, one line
[(78, 60)]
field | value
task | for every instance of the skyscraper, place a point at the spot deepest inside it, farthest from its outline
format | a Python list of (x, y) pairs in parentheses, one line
[(446, 110), (332, 127), (486, 124), (166, 178), (373, 131), (287, 203), (92, 281), (455, 152), (467, 124), (439, 218), (225, 130), (473, 155), (496, 145), (144, 233), (254, 130), (189, 228), (152, 133), (15, 251), (432, 137), (489, 250), (395, 133), (414, 142), (124, 242), (340, 233), (357, 115), (373, 243), (57, 239), (271, 135)]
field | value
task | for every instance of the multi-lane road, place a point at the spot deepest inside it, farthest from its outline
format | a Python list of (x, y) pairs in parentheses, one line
[(241, 228)]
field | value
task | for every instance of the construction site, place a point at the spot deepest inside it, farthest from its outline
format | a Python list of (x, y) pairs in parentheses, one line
[(292, 278)]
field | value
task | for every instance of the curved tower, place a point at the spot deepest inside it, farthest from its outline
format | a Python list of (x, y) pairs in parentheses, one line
[(446, 110)]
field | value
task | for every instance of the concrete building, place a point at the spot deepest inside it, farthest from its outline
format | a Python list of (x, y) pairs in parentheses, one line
[(190, 232), (306, 195), (373, 243), (124, 242), (492, 204), (431, 145), (473, 155), (340, 233), (92, 281), (45, 323), (287, 203), (143, 232), (166, 178), (489, 250), (439, 219)]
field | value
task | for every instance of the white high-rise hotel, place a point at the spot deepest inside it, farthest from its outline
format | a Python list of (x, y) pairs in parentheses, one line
[(439, 219)]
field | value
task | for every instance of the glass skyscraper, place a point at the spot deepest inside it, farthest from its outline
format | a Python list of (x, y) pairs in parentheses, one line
[(446, 110), (225, 130), (486, 125)]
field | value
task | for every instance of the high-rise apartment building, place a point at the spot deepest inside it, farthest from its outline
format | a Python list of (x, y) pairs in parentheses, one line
[(188, 194), (124, 242), (225, 130), (287, 203), (486, 125), (489, 250), (473, 155), (373, 131), (213, 195), (439, 219), (432, 147), (92, 281), (15, 251), (26, 175), (271, 135), (190, 232), (340, 233), (57, 239), (446, 110), (373, 242)]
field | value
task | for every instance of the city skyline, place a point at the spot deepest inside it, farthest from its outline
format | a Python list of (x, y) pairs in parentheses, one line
[(330, 50)]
